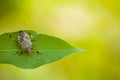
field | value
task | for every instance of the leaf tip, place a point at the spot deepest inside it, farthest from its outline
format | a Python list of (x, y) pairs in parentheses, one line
[(79, 50)]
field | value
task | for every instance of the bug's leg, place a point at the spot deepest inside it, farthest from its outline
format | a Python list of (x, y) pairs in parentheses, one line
[(31, 36), (19, 53), (33, 40), (11, 37), (38, 52), (15, 53), (29, 33)]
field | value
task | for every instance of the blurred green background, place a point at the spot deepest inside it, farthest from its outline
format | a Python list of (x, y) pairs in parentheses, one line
[(93, 25)]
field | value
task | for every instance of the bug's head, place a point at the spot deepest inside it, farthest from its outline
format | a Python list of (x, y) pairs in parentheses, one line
[(21, 33)]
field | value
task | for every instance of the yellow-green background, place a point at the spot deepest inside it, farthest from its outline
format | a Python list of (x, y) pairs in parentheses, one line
[(93, 25)]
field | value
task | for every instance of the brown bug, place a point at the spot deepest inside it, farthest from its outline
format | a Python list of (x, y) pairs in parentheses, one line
[(25, 41)]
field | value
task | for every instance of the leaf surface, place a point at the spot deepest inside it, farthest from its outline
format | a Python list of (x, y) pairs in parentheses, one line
[(46, 49)]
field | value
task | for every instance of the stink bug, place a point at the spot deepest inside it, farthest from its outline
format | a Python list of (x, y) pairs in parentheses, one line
[(25, 41)]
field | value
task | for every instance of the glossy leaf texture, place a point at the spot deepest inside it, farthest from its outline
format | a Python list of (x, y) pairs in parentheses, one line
[(46, 49)]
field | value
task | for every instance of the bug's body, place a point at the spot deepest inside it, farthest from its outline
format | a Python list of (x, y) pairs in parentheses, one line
[(25, 41)]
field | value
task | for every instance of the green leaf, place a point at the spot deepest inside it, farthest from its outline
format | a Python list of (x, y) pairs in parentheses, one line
[(50, 49)]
